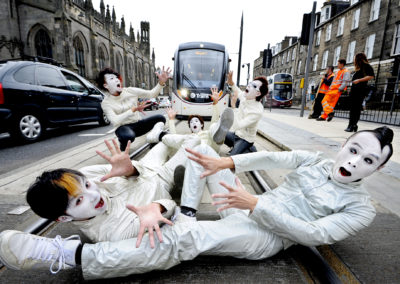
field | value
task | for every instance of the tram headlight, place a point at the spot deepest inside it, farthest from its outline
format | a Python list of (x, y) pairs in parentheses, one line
[(184, 93)]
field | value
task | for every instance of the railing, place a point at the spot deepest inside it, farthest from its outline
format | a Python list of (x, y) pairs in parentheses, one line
[(381, 106)]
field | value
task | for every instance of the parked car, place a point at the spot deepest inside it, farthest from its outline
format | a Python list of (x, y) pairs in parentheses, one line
[(164, 102), (153, 104), (35, 96)]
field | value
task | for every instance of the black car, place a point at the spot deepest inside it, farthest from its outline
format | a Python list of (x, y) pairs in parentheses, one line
[(35, 96), (152, 104)]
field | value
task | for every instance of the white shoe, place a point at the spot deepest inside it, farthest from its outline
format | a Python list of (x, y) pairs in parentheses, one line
[(154, 134), (219, 131), (22, 251), (181, 218)]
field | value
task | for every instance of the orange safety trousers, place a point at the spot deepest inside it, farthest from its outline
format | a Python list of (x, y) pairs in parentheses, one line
[(329, 102)]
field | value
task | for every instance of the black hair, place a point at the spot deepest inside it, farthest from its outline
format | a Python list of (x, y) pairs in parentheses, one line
[(385, 137), (100, 78), (263, 87), (331, 68), (342, 61), (47, 198)]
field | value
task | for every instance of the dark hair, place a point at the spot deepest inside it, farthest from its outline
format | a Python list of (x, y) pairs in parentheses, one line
[(47, 197), (385, 136), (263, 87), (199, 117), (331, 67), (342, 61), (100, 78), (359, 60)]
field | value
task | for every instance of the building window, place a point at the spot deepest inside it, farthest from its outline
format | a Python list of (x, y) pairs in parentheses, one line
[(318, 38), (352, 2), (328, 32), (375, 5), (299, 68), (43, 44), (336, 55), (325, 14), (283, 58), (350, 51), (79, 56), (314, 67), (356, 19), (294, 54), (396, 42), (325, 59), (118, 63), (340, 27), (288, 56), (102, 59), (369, 46)]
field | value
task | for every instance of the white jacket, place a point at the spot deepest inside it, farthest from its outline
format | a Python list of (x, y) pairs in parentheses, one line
[(118, 109), (119, 223)]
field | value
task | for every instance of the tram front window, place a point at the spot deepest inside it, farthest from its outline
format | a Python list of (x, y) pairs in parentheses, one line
[(200, 69)]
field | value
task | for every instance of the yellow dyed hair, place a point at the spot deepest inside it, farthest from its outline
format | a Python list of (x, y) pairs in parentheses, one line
[(70, 182)]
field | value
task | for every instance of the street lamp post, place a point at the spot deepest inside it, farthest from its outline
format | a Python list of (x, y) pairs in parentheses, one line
[(248, 71)]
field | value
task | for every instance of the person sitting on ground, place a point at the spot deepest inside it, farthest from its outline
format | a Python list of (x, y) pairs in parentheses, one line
[(321, 202), (121, 107), (244, 130), (214, 136), (95, 197)]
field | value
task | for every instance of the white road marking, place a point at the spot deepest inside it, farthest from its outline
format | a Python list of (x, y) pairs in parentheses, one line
[(91, 134)]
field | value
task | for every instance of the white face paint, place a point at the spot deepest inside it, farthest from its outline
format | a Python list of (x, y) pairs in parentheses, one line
[(88, 203), (252, 90), (113, 84), (195, 125), (359, 157)]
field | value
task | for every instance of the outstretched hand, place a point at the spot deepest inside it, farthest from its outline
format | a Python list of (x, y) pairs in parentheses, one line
[(150, 216), (215, 95), (141, 107), (210, 164), (236, 198), (164, 75), (230, 80), (120, 161), (171, 113)]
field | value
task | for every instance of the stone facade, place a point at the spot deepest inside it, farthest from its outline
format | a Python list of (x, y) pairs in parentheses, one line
[(338, 34), (73, 33)]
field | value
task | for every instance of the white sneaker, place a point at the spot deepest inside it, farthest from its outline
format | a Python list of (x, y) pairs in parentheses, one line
[(221, 128), (154, 134), (181, 218), (22, 251)]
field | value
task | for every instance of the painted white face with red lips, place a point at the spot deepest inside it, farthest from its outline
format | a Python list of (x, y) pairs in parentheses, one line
[(359, 157), (113, 84), (195, 125), (88, 203), (252, 90)]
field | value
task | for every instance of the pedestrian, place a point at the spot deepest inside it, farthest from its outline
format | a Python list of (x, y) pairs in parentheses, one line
[(321, 202), (359, 89), (323, 88), (338, 86), (121, 107), (247, 116)]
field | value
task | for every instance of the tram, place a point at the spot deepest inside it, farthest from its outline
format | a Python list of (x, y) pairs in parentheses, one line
[(280, 90), (198, 67)]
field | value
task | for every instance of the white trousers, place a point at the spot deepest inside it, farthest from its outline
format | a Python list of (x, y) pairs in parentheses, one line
[(235, 235)]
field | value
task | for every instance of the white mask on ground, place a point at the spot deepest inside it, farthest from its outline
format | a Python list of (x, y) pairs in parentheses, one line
[(359, 157)]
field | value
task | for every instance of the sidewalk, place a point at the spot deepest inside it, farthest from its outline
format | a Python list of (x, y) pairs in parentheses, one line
[(292, 132)]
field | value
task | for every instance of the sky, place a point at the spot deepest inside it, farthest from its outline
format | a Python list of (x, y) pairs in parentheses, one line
[(177, 21)]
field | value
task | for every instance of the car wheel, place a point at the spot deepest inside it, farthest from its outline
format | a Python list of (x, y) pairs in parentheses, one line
[(103, 121), (29, 127)]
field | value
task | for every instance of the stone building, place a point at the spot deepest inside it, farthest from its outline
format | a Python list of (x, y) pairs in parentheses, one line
[(73, 33), (343, 29)]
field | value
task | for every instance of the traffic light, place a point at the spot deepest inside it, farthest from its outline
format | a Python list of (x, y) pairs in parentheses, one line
[(305, 30), (267, 58), (395, 67)]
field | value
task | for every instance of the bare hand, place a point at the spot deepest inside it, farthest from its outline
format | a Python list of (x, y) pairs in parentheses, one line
[(120, 161), (234, 98), (164, 76), (150, 216), (230, 80), (141, 107), (215, 95), (171, 113), (210, 164), (236, 198), (355, 82)]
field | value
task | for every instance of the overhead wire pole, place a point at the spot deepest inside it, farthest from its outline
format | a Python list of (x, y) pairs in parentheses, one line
[(309, 52), (240, 52)]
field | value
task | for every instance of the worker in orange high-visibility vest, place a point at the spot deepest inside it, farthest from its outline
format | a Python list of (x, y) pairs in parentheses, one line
[(326, 81), (339, 84)]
